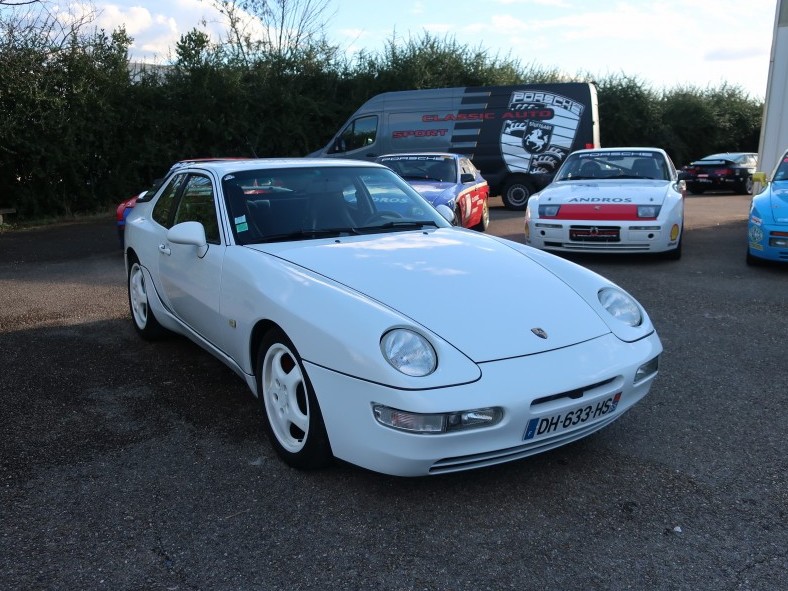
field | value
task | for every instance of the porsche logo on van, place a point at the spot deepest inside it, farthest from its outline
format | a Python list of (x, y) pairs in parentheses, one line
[(539, 332), (537, 136)]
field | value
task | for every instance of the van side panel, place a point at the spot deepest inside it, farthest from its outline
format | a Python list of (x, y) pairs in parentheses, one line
[(523, 131)]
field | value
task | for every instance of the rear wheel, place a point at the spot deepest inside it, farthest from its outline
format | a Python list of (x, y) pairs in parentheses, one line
[(484, 223), (293, 420), (144, 320), (746, 187), (695, 190), (516, 193)]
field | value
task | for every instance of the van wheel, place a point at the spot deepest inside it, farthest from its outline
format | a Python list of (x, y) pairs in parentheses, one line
[(515, 194)]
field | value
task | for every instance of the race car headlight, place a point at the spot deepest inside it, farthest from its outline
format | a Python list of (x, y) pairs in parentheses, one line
[(409, 352), (620, 306), (548, 211), (415, 422), (648, 211)]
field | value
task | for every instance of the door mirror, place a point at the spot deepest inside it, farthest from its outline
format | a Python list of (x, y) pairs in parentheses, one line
[(189, 233)]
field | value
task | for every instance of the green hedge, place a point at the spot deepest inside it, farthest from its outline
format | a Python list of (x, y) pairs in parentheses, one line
[(81, 129)]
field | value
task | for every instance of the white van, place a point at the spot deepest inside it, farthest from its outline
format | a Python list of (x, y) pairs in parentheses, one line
[(517, 136)]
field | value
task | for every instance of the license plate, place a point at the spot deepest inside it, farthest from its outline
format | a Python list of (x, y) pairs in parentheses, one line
[(552, 424), (594, 234)]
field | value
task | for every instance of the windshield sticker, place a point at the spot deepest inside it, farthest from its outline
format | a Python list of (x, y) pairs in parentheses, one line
[(240, 224)]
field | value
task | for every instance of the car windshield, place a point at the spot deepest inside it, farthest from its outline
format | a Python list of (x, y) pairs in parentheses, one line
[(626, 164), (298, 203), (781, 172), (422, 167)]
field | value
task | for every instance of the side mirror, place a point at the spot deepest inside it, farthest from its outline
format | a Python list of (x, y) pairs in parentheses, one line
[(189, 233), (446, 212), (466, 177)]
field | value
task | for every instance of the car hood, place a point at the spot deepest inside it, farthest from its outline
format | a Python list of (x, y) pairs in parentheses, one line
[(477, 293), (432, 191), (637, 192), (778, 202)]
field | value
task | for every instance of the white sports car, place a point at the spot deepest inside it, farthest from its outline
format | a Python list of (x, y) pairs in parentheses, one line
[(610, 200), (370, 335)]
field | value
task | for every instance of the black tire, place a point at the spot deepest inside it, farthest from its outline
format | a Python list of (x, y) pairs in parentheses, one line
[(746, 187), (516, 193), (696, 190), (485, 221), (291, 414), (675, 254), (145, 322), (457, 217), (754, 261)]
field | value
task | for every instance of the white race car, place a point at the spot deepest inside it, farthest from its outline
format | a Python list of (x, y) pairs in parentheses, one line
[(610, 200), (369, 334)]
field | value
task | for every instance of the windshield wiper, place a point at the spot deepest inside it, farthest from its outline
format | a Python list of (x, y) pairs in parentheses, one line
[(305, 233), (404, 224)]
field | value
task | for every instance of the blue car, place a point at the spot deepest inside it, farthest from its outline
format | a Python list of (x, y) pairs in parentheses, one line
[(767, 227), (446, 179)]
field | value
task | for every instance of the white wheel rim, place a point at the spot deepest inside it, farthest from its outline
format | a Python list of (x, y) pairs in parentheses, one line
[(138, 296), (285, 398)]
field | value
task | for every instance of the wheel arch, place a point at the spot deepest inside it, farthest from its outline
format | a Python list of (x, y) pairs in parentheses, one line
[(259, 330)]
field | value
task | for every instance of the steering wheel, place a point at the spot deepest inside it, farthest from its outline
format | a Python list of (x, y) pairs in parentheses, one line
[(380, 216)]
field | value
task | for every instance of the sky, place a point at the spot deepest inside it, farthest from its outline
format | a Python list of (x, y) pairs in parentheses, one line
[(665, 43)]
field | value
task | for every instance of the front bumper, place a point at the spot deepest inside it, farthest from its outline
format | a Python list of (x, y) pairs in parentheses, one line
[(603, 236), (761, 238), (601, 368)]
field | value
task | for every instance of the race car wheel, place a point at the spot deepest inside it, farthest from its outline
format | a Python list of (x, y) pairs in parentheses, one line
[(457, 217), (145, 322), (484, 223), (696, 190), (292, 417), (516, 193)]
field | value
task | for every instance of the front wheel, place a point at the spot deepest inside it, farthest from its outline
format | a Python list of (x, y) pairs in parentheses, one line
[(293, 420), (516, 193)]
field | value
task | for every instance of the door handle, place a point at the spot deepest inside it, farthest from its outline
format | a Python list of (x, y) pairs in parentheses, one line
[(164, 249)]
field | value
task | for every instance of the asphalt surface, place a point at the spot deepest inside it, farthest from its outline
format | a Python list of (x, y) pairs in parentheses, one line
[(135, 466)]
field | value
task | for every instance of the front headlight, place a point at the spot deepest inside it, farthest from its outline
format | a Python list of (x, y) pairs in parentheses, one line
[(548, 211), (648, 211), (409, 352), (420, 423), (620, 306)]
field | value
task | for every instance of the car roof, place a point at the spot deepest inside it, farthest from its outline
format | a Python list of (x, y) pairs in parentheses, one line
[(621, 149), (222, 167), (408, 154), (723, 155)]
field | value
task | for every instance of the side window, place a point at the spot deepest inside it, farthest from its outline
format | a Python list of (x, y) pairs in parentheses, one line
[(467, 167), (163, 207), (361, 132), (197, 205)]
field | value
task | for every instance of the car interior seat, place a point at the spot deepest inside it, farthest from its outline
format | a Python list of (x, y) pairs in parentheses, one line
[(328, 210), (590, 169), (646, 168)]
